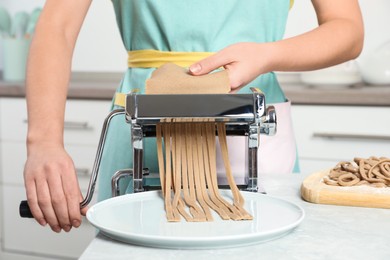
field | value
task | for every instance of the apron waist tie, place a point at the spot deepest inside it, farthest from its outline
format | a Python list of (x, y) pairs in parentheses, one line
[(155, 58)]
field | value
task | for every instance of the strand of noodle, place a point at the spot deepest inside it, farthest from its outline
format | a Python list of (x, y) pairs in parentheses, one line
[(198, 186), (211, 143), (175, 184), (161, 168), (348, 179), (385, 168), (191, 181), (204, 164), (171, 216), (378, 174), (160, 157), (238, 199), (363, 173), (177, 200), (195, 210), (191, 178)]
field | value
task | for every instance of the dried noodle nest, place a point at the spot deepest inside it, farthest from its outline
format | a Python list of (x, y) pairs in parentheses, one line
[(373, 171)]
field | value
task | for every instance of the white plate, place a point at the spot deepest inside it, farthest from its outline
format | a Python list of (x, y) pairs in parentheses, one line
[(140, 219)]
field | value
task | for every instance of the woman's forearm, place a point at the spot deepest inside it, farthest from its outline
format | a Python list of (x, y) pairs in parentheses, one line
[(338, 38), (330, 44), (47, 80), (48, 72)]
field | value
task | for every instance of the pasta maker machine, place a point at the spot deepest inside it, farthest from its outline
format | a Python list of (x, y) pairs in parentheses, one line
[(243, 114)]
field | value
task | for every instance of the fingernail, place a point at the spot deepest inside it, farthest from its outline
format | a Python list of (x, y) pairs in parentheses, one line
[(76, 223), (42, 222), (195, 68), (56, 229), (67, 228)]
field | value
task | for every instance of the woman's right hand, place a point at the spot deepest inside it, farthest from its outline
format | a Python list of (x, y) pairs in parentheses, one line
[(52, 187)]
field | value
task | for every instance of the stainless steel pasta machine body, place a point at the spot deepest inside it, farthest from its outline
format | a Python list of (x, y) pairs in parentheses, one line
[(243, 114)]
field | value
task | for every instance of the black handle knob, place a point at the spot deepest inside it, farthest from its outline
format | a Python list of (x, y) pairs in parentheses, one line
[(24, 210)]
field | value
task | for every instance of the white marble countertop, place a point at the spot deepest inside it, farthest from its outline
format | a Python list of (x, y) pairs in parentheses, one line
[(327, 232)]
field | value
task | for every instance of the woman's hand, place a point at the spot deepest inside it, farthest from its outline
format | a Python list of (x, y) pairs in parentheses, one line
[(243, 62), (52, 188)]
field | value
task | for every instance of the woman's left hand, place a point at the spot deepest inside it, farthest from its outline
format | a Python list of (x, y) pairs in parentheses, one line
[(338, 38), (243, 62)]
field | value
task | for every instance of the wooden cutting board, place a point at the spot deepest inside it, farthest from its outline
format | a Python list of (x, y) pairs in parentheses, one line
[(314, 190)]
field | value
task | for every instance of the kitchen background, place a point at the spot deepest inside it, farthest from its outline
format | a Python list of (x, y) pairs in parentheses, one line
[(100, 36), (325, 140)]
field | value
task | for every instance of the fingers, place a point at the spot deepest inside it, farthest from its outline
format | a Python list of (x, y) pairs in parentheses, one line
[(217, 61), (213, 62), (33, 202), (45, 205), (72, 195), (84, 211), (53, 194), (59, 203), (236, 89), (243, 61)]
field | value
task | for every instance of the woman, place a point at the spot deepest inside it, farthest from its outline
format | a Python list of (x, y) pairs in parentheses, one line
[(246, 37)]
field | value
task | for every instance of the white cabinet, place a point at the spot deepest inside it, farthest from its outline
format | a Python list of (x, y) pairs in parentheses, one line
[(328, 134), (24, 237)]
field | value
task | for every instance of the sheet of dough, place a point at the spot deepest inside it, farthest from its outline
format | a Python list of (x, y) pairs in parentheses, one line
[(173, 79)]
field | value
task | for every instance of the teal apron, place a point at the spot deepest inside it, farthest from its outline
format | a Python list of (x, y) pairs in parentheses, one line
[(186, 26)]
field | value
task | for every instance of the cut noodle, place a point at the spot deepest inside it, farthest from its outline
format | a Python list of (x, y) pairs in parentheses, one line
[(188, 174), (372, 171)]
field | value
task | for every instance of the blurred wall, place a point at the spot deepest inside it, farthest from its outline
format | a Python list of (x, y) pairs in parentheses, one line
[(99, 47)]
